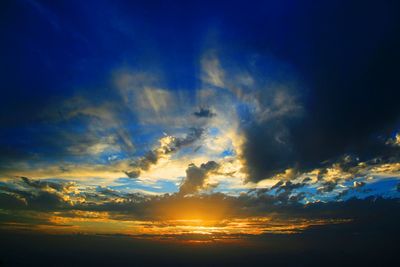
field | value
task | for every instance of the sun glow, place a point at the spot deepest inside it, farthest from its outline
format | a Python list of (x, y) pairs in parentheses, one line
[(183, 230)]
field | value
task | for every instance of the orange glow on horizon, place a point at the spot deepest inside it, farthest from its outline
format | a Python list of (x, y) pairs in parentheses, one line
[(196, 231)]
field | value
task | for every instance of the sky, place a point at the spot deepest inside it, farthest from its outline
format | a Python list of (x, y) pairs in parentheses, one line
[(208, 120)]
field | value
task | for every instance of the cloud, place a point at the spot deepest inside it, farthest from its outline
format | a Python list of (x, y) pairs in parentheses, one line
[(327, 187), (358, 184), (150, 101), (204, 113), (266, 109), (196, 177), (287, 186), (144, 163), (105, 123), (46, 185), (168, 145), (394, 141), (281, 129), (212, 74), (35, 195), (286, 200)]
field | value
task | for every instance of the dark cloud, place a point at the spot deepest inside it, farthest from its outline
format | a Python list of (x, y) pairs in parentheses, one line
[(109, 192), (196, 177), (280, 193), (286, 186), (328, 186), (151, 157), (267, 150), (349, 71), (289, 186), (277, 185), (133, 174), (39, 184), (11, 201), (204, 113), (34, 195), (144, 163), (194, 135)]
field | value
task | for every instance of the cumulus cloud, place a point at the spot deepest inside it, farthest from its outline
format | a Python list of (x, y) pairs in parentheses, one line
[(196, 177)]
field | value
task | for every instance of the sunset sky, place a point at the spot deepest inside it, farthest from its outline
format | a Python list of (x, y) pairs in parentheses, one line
[(199, 121)]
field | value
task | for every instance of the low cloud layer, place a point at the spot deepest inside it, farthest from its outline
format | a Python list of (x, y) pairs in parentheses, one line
[(302, 198)]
